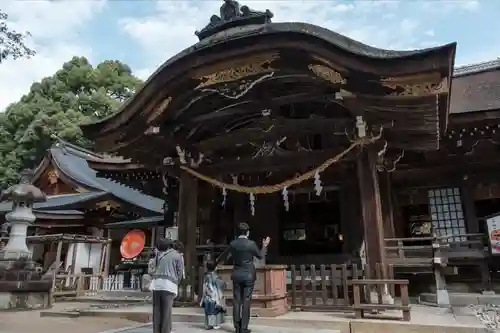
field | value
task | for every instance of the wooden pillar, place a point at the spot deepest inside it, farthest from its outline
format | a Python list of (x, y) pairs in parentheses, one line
[(188, 215), (387, 205), (467, 194), (373, 224), (73, 259), (107, 260), (57, 264), (346, 218)]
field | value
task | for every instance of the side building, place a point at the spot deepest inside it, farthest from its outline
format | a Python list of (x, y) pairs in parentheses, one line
[(82, 203)]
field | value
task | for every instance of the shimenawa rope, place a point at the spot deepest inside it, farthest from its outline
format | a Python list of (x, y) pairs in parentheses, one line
[(287, 183)]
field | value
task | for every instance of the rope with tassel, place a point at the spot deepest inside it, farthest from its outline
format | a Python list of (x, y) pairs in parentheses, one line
[(287, 183)]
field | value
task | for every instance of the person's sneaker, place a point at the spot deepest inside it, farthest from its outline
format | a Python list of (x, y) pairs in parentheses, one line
[(216, 327)]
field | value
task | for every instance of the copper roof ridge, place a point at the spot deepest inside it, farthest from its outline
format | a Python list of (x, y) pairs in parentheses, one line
[(476, 67)]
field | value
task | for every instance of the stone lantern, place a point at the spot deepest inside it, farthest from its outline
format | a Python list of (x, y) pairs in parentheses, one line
[(22, 196), (21, 285)]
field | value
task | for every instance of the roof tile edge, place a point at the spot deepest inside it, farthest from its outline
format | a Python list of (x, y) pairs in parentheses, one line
[(476, 68)]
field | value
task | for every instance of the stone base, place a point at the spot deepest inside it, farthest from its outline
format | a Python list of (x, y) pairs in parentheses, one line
[(22, 286), (443, 298), (6, 254), (24, 300)]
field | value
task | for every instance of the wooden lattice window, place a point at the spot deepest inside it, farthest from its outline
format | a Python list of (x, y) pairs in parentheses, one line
[(447, 215)]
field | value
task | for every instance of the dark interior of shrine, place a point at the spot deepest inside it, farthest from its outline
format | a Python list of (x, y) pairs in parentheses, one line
[(312, 224)]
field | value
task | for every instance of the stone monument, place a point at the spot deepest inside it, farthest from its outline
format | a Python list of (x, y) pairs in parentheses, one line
[(21, 285)]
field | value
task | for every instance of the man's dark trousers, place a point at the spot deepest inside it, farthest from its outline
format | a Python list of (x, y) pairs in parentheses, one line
[(242, 297)]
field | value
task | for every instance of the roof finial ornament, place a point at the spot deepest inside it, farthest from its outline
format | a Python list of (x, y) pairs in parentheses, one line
[(232, 15), (229, 10)]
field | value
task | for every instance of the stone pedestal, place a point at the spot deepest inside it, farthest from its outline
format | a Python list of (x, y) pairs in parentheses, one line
[(21, 285), (269, 296)]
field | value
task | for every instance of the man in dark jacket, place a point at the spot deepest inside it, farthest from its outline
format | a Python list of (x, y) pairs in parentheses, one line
[(244, 251)]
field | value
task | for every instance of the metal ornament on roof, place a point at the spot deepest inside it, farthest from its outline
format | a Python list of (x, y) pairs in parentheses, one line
[(232, 15)]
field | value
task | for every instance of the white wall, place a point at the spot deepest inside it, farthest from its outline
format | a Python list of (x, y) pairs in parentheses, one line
[(87, 255)]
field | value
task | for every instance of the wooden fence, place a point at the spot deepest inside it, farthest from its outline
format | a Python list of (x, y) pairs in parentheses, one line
[(310, 288), (92, 284), (321, 287), (343, 288)]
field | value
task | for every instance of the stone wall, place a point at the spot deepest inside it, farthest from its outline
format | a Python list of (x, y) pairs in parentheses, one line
[(24, 300)]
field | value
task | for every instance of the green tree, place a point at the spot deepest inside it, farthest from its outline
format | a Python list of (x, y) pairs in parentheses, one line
[(56, 105), (12, 43)]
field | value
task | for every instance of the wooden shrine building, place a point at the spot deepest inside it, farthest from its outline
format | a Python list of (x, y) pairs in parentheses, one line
[(82, 203), (286, 126)]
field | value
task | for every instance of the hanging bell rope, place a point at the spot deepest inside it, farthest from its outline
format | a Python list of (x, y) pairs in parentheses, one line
[(287, 183)]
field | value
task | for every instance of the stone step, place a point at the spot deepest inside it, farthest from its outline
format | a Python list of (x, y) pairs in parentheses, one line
[(340, 323)]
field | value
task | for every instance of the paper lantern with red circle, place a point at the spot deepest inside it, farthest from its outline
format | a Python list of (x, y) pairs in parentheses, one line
[(132, 244)]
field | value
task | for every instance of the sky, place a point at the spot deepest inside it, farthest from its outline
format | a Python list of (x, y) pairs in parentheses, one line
[(145, 33)]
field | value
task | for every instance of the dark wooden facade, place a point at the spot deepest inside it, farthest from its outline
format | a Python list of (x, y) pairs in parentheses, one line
[(258, 103)]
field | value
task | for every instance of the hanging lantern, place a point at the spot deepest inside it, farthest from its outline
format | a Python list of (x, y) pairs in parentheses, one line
[(284, 192)]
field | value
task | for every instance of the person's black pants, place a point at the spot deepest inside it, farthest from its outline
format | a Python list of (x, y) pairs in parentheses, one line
[(163, 301), (242, 297)]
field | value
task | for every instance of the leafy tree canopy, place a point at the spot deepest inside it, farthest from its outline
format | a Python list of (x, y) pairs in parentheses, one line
[(12, 42), (56, 105)]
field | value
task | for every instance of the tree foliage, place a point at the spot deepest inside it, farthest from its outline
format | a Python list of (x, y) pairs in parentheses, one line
[(56, 105), (12, 43)]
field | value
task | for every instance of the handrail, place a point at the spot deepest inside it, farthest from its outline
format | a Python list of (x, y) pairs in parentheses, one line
[(432, 237)]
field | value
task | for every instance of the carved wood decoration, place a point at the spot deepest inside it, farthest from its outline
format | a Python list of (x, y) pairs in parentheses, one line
[(53, 176), (108, 204), (415, 89), (327, 74), (235, 70), (159, 110)]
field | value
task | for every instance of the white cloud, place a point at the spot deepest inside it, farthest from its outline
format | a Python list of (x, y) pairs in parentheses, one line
[(440, 6), (54, 26), (170, 29)]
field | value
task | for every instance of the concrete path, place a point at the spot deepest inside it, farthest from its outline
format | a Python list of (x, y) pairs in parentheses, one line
[(197, 328)]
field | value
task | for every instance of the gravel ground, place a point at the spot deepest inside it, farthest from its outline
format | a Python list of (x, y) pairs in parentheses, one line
[(30, 322)]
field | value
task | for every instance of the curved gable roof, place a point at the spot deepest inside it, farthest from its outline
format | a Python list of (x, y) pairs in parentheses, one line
[(71, 161), (192, 57)]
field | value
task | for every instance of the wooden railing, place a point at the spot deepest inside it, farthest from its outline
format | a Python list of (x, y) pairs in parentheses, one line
[(322, 287), (363, 301), (92, 284), (342, 288), (421, 251)]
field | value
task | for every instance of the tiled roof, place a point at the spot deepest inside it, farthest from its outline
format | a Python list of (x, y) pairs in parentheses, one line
[(57, 202), (476, 68), (476, 87), (72, 161)]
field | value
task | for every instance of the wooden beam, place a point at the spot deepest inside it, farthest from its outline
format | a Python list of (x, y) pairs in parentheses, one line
[(269, 129), (247, 106), (284, 161)]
